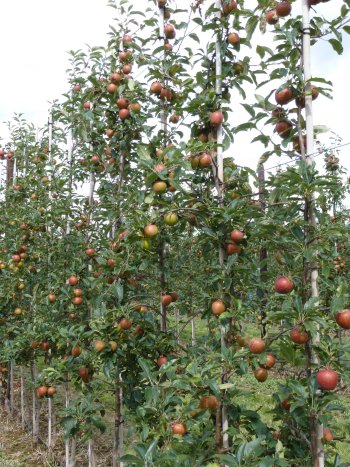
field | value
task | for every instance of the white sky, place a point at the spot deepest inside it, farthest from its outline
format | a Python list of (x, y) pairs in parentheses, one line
[(36, 35)]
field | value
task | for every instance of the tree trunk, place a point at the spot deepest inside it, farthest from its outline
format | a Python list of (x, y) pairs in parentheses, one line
[(118, 441)]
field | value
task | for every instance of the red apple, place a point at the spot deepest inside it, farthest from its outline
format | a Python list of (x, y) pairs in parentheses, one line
[(327, 379), (232, 248), (283, 8), (209, 402), (343, 318), (216, 118), (204, 161), (256, 345), (261, 374), (233, 38), (271, 17), (151, 230), (73, 280), (237, 236), (178, 429), (218, 307), (169, 31), (161, 360), (283, 285), (298, 335), (284, 96), (41, 392), (166, 299)]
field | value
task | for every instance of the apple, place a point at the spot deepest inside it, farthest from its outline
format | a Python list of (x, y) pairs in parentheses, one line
[(126, 69), (256, 345), (237, 236), (218, 307), (51, 391), (174, 296), (124, 114), (299, 336), (204, 161), (76, 351), (178, 429), (209, 402), (327, 435), (113, 346), (297, 145), (77, 300), (87, 105), (111, 262), (18, 311), (261, 374), (161, 3), (41, 392), (35, 344), (99, 345), (283, 285), (169, 31), (216, 118), (78, 292), (171, 218), (135, 107), (73, 280), (116, 78), (283, 128), (285, 404), (271, 16), (90, 252), (151, 230), (45, 346), (161, 360), (270, 362), (156, 87), (242, 341), (283, 8), (76, 88), (122, 103), (166, 299), (233, 38), (126, 40), (2, 154), (16, 258), (284, 96), (229, 6), (327, 379), (343, 318), (159, 186), (232, 248), (174, 118), (84, 374), (125, 323), (112, 88)]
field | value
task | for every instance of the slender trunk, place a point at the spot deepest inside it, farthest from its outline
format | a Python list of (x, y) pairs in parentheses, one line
[(8, 388), (66, 394), (72, 461), (49, 424), (218, 170), (163, 311), (118, 424), (36, 409), (193, 333), (263, 253), (91, 454), (316, 429), (23, 417)]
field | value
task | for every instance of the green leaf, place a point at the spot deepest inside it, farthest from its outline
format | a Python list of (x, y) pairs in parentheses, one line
[(337, 46)]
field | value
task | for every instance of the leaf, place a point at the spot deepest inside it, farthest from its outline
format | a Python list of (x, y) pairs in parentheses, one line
[(337, 46)]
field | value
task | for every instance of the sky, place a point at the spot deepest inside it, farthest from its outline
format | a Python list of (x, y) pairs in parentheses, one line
[(37, 34)]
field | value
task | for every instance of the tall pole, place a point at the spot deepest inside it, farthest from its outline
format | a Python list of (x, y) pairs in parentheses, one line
[(316, 428), (219, 184)]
